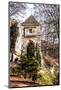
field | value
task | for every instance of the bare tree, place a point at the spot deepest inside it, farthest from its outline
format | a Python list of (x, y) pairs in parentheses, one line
[(13, 36), (16, 8), (49, 16)]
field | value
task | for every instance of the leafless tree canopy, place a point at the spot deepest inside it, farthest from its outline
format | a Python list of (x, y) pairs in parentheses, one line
[(16, 8), (46, 14)]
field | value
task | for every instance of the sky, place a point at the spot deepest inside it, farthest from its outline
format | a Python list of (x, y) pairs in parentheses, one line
[(28, 11)]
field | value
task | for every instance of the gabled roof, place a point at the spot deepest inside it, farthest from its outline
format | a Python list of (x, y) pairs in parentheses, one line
[(31, 21)]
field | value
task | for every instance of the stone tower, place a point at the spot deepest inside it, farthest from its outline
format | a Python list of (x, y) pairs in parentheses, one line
[(30, 30)]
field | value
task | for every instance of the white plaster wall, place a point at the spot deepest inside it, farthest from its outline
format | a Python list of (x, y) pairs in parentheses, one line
[(22, 42)]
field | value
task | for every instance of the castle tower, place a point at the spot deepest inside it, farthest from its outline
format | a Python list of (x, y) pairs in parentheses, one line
[(30, 29)]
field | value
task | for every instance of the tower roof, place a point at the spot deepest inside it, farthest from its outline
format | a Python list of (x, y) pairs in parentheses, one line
[(31, 21)]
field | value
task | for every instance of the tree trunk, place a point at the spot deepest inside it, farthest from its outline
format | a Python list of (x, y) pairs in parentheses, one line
[(11, 58)]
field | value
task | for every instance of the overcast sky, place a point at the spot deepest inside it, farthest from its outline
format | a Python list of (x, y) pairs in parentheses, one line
[(28, 12)]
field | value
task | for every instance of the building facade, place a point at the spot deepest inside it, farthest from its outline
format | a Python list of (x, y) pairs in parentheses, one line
[(30, 34)]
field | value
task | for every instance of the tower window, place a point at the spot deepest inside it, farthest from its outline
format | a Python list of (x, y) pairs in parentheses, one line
[(30, 30)]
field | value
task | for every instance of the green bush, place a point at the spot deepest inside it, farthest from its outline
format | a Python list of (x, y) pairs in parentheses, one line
[(15, 70), (44, 77), (34, 76), (30, 65), (56, 76), (38, 57)]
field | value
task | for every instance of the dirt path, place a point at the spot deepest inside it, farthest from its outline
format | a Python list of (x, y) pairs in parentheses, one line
[(21, 82)]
